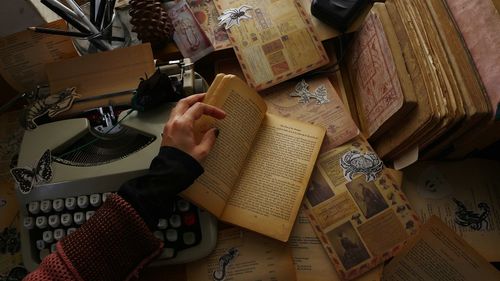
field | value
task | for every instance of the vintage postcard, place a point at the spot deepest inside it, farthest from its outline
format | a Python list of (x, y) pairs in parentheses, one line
[(273, 40), (207, 16), (189, 36)]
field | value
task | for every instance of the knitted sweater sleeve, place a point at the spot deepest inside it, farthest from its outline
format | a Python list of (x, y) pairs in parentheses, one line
[(117, 241)]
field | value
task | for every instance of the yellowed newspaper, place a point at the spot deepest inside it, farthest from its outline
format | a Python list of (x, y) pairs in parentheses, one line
[(464, 194), (438, 253), (274, 40), (244, 255)]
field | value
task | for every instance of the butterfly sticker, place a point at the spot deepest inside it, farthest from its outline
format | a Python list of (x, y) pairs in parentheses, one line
[(27, 178), (233, 16)]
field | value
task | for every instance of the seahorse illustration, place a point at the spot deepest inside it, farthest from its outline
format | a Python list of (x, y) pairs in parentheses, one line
[(51, 105), (466, 218), (224, 261)]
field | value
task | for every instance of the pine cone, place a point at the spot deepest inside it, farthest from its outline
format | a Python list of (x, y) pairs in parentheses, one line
[(151, 22)]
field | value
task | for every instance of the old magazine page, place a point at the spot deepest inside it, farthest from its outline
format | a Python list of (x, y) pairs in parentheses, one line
[(273, 40), (437, 253), (310, 258), (244, 256), (464, 194), (358, 209), (268, 194), (245, 111)]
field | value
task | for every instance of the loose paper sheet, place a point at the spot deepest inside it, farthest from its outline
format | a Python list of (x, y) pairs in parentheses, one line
[(276, 43), (102, 73), (244, 255), (437, 253), (464, 194), (23, 56)]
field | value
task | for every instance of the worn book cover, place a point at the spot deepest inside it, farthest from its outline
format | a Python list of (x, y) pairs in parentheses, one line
[(273, 40), (381, 86)]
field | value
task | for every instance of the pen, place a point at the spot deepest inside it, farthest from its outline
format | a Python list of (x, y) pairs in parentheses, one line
[(66, 14), (70, 33), (100, 12), (78, 11), (92, 11)]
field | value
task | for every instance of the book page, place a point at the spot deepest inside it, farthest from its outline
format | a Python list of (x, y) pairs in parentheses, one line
[(309, 256), (274, 40), (245, 110), (246, 256), (437, 253), (272, 183), (464, 194)]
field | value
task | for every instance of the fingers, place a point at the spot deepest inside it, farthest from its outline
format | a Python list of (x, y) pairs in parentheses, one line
[(206, 143), (199, 109), (186, 103)]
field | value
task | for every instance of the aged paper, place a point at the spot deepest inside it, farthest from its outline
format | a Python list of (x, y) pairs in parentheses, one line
[(207, 16), (310, 259), (437, 253), (464, 194), (244, 255), (23, 56), (273, 40), (333, 115), (360, 214)]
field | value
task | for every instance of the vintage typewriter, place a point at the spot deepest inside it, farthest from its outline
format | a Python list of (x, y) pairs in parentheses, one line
[(90, 161)]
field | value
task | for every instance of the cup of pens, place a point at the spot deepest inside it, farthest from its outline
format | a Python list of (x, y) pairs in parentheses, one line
[(111, 32), (94, 26)]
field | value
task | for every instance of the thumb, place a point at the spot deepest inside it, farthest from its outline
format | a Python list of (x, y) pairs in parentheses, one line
[(207, 142)]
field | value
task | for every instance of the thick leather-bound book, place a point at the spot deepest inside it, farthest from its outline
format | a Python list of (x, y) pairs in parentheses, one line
[(381, 86)]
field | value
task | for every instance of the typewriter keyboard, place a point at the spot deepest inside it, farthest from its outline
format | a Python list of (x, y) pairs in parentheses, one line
[(50, 220)]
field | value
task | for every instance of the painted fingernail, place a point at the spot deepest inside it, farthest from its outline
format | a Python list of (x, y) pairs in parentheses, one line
[(216, 132)]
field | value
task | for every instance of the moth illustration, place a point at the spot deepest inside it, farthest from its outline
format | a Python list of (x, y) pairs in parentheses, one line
[(233, 16), (28, 177)]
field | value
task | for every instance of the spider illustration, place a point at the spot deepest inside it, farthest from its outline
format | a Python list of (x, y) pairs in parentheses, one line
[(233, 16)]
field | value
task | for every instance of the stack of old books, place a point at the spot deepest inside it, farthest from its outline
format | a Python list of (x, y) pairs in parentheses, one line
[(420, 76)]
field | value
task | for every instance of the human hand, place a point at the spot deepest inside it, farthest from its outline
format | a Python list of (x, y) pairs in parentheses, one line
[(179, 129)]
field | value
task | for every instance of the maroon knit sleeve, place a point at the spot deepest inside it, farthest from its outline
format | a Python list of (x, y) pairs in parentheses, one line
[(114, 244)]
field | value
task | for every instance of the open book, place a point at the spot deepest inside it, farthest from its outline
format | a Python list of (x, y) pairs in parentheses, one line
[(257, 173)]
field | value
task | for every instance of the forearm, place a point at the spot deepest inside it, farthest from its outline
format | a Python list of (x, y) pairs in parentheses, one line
[(117, 241)]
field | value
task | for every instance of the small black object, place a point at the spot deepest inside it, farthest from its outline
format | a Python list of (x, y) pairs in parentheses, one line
[(340, 14), (155, 91)]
